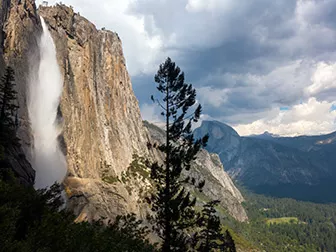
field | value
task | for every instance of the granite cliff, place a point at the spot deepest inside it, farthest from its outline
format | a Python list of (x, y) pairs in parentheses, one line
[(102, 122), (103, 137)]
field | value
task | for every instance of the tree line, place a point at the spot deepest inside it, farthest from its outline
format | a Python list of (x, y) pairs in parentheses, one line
[(314, 230)]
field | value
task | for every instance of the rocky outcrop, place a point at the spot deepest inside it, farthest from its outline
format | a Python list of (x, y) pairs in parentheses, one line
[(218, 184), (102, 123)]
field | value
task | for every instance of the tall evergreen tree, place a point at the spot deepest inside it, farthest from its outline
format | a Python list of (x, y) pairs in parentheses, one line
[(210, 237), (172, 204), (8, 99), (210, 224), (228, 243)]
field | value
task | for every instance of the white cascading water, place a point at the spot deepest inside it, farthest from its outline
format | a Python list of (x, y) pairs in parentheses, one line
[(44, 96)]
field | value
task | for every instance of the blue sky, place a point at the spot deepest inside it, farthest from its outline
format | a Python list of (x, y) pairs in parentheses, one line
[(248, 59)]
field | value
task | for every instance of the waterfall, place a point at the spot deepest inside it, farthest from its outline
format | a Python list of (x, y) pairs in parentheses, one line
[(45, 89)]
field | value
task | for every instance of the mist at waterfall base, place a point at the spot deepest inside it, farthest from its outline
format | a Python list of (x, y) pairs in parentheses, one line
[(45, 89)]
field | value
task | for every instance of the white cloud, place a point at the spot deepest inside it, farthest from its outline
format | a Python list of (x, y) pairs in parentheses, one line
[(310, 118), (323, 80), (299, 83), (208, 5), (196, 5), (211, 96), (151, 113)]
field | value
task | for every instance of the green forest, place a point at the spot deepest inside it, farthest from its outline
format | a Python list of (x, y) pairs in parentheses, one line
[(31, 221), (282, 224)]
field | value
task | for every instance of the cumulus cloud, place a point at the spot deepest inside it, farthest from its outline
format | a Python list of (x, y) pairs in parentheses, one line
[(151, 113), (323, 81), (312, 111), (213, 97), (310, 118)]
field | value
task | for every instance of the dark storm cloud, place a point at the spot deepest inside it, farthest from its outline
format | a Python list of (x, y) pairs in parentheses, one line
[(244, 57), (144, 87), (323, 15)]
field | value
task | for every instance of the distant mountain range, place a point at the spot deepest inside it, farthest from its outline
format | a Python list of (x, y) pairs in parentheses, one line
[(301, 167)]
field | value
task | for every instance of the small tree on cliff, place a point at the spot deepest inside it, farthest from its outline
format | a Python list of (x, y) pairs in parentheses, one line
[(171, 203), (8, 107)]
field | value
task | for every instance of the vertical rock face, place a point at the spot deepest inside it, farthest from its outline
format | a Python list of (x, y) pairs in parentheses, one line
[(20, 29), (219, 185), (102, 123)]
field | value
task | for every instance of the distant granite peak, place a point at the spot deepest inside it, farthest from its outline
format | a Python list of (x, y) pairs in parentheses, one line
[(218, 129), (265, 135), (220, 132)]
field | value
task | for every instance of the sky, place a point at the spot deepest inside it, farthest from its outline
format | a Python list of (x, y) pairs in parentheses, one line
[(257, 65)]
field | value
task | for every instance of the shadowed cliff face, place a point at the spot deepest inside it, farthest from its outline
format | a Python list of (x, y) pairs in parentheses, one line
[(20, 29)]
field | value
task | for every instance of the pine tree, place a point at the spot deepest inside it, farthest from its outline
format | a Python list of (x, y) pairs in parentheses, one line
[(210, 237), (228, 243), (8, 98), (8, 109), (210, 231), (172, 204)]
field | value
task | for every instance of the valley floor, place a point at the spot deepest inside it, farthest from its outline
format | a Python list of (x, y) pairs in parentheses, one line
[(285, 225)]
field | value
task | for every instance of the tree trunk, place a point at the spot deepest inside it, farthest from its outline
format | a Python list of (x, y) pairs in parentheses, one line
[(166, 246)]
